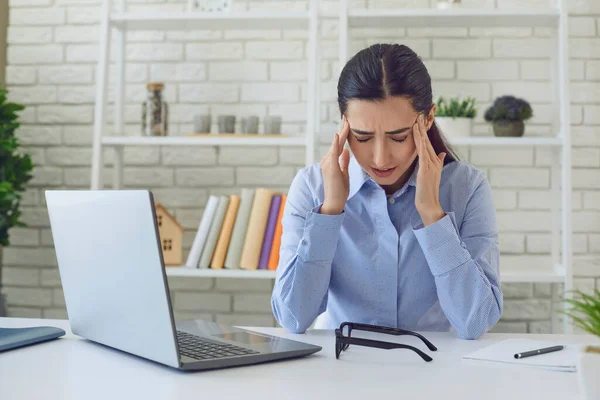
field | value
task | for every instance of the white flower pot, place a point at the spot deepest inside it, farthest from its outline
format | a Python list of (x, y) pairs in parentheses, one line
[(589, 372), (454, 127)]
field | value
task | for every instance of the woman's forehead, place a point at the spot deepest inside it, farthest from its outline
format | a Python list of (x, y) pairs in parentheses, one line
[(390, 111)]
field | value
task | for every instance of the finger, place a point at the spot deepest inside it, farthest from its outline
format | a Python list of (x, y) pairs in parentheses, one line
[(335, 145), (344, 161), (441, 157), (423, 156), (344, 134), (418, 140), (423, 137), (428, 144)]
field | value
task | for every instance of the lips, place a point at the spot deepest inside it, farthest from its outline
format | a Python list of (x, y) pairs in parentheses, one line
[(382, 173)]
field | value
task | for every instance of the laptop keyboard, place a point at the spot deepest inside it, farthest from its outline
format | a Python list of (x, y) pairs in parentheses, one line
[(203, 349)]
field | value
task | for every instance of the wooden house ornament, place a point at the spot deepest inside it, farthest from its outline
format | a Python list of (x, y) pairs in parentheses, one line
[(171, 236)]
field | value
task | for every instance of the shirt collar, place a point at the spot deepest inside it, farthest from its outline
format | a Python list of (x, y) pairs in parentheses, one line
[(358, 176)]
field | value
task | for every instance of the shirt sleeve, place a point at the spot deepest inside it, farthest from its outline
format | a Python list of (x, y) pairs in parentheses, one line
[(308, 245), (465, 264)]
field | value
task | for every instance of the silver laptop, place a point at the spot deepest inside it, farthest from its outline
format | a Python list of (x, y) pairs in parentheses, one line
[(116, 289)]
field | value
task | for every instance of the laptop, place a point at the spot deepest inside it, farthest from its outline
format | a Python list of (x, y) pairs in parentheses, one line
[(116, 290)]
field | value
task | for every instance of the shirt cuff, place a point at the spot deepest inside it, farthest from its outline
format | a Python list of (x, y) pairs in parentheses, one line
[(321, 233), (441, 243)]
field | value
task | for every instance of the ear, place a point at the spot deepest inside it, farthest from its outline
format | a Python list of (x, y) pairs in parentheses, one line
[(430, 117)]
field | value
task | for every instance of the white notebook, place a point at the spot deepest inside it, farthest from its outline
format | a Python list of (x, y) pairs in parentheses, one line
[(504, 352)]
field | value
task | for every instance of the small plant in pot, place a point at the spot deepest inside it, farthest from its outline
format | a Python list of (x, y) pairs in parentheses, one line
[(507, 115), (455, 117), (585, 313), (15, 169)]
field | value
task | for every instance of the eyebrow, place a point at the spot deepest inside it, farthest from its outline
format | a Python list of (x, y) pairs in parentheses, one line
[(397, 131)]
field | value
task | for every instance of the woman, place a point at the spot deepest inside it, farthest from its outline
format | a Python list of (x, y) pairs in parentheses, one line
[(402, 234)]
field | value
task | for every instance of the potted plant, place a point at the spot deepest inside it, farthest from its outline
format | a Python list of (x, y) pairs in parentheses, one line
[(455, 117), (585, 313), (507, 115), (15, 169)]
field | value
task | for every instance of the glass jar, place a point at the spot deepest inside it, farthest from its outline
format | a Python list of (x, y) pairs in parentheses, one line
[(155, 111)]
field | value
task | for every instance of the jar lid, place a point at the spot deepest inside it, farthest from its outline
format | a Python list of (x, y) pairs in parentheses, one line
[(155, 86)]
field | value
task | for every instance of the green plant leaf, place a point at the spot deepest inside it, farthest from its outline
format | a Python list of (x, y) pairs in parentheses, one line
[(456, 108), (585, 311), (15, 168)]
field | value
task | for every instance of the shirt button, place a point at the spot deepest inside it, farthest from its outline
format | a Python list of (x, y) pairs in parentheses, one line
[(392, 201)]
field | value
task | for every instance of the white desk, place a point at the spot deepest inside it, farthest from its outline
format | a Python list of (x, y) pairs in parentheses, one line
[(71, 368)]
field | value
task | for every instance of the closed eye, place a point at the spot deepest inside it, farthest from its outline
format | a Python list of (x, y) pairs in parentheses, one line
[(367, 139)]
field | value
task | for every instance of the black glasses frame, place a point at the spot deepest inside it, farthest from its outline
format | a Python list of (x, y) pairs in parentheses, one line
[(343, 342)]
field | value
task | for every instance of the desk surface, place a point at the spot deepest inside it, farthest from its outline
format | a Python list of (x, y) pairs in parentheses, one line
[(71, 368)]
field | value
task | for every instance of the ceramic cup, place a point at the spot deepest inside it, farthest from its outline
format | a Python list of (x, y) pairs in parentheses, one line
[(226, 123), (272, 124), (250, 124), (202, 123)]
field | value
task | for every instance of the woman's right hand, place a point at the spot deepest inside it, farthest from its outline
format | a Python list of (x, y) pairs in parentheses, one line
[(334, 168)]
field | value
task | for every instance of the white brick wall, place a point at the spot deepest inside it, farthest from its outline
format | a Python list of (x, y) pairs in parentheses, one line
[(52, 53)]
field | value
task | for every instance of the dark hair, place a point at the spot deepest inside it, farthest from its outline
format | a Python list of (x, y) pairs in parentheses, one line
[(385, 70)]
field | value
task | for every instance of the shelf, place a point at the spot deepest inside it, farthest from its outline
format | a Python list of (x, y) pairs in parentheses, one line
[(205, 140), (507, 276), (210, 20), (220, 273), (542, 275), (226, 139), (506, 141), (464, 17)]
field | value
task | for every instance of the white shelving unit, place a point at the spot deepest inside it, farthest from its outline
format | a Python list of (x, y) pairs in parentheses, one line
[(209, 140), (462, 17), (559, 270), (210, 20), (220, 273), (122, 21)]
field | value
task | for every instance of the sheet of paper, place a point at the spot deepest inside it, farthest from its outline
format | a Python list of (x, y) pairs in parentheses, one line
[(504, 351)]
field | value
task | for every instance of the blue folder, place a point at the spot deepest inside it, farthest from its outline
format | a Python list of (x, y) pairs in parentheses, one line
[(11, 338)]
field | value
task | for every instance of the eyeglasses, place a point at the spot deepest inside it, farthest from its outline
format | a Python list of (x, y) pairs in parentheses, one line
[(343, 342)]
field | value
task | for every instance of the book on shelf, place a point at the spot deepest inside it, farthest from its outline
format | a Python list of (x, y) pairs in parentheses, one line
[(240, 231), (274, 256), (213, 233), (202, 233), (238, 235), (256, 229), (265, 251), (218, 259)]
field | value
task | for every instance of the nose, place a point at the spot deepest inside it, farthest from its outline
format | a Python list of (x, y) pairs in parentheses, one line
[(381, 156)]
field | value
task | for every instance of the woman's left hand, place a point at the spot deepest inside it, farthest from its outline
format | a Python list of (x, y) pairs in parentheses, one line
[(427, 196)]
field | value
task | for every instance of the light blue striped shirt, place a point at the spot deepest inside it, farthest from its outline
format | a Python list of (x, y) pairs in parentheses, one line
[(376, 263)]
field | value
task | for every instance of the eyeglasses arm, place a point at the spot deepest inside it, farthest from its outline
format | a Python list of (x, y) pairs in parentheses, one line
[(386, 330), (344, 340)]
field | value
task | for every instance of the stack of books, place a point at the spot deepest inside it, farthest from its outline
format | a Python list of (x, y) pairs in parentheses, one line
[(239, 231)]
